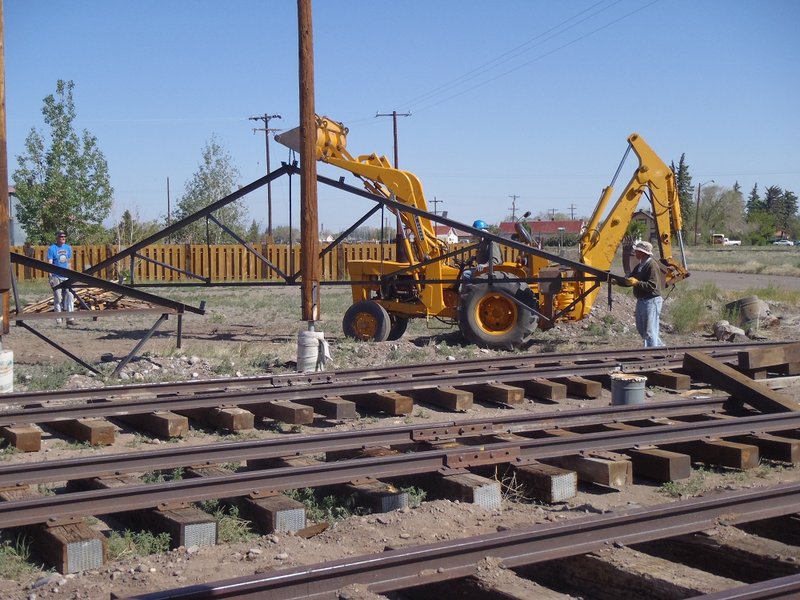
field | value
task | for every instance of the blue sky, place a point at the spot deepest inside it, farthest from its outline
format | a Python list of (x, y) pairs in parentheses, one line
[(520, 97)]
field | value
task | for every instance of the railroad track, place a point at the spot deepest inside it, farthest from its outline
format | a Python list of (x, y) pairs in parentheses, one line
[(418, 566), (607, 445), (633, 360), (270, 395)]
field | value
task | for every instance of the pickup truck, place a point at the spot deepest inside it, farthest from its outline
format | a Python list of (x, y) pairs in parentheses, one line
[(719, 239)]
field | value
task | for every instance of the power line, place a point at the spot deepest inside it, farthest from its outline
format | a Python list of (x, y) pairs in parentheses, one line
[(511, 54), (538, 58)]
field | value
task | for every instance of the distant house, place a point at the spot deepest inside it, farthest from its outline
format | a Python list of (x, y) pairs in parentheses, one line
[(543, 230), (451, 235), (646, 217)]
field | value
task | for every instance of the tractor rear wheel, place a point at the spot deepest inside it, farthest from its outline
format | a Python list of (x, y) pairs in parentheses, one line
[(366, 321), (488, 316)]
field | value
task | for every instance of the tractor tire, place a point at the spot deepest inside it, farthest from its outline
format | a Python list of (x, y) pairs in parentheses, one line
[(487, 316), (366, 321), (398, 327)]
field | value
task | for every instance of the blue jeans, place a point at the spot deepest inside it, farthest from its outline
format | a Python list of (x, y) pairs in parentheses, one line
[(648, 313)]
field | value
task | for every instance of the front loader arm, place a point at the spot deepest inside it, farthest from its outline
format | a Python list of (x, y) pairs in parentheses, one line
[(379, 177)]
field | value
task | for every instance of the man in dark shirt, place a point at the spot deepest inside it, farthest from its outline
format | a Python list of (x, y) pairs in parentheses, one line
[(645, 278), (488, 253)]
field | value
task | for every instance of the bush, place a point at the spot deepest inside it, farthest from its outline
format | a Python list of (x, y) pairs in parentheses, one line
[(691, 308)]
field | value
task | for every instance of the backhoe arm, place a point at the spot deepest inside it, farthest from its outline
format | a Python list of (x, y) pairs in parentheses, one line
[(602, 237)]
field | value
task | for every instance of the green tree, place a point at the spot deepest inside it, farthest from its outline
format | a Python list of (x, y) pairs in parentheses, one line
[(721, 211), (254, 233), (131, 229), (62, 181), (754, 202), (683, 185), (214, 179)]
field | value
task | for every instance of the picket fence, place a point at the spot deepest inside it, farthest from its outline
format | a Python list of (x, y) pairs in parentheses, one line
[(217, 263)]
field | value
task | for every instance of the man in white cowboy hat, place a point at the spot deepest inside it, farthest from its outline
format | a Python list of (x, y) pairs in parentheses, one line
[(645, 279)]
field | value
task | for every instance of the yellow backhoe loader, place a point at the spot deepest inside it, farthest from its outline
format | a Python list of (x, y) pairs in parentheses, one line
[(501, 307)]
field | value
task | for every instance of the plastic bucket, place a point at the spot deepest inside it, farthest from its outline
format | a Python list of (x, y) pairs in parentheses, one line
[(6, 371), (310, 345), (627, 389)]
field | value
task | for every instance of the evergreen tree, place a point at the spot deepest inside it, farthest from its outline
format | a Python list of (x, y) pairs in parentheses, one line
[(254, 233), (754, 202), (683, 185), (786, 209), (214, 179), (62, 182)]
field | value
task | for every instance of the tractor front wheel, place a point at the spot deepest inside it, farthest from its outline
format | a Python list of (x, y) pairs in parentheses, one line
[(366, 321)]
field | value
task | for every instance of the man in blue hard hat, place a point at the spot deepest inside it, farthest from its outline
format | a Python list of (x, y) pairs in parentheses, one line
[(488, 253)]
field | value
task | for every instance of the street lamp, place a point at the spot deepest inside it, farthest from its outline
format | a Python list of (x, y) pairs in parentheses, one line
[(697, 207)]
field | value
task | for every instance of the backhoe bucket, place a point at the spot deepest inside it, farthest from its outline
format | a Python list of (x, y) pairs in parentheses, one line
[(330, 135)]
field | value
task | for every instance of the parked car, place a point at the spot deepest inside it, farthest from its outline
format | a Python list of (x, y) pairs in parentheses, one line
[(783, 243)]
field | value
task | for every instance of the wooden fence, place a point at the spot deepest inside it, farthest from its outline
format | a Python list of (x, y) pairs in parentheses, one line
[(221, 263)]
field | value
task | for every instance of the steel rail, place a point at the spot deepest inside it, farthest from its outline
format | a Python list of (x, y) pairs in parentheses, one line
[(244, 398), (224, 452), (419, 565), (772, 589), (720, 352), (100, 502)]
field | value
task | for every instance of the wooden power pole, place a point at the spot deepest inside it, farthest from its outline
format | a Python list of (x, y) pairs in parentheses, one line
[(5, 248), (309, 222)]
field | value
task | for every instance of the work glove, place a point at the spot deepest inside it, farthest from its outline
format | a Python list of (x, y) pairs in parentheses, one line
[(631, 281)]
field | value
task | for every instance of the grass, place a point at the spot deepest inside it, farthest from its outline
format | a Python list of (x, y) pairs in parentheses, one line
[(136, 543), (15, 556), (766, 260), (324, 508), (162, 476), (701, 480), (42, 377), (691, 308), (231, 527)]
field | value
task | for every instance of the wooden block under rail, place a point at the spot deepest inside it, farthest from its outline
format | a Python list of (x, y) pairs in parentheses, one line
[(162, 424), (97, 432), (25, 438), (446, 397)]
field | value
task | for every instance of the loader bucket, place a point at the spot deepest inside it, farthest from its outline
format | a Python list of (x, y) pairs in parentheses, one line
[(331, 138)]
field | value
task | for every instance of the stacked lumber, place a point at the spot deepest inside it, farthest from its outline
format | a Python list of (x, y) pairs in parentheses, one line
[(95, 298)]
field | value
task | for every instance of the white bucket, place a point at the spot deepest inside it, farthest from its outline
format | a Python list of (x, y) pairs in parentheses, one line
[(627, 388), (312, 351), (6, 371)]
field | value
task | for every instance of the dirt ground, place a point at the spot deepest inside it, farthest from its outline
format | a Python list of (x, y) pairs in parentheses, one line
[(249, 331)]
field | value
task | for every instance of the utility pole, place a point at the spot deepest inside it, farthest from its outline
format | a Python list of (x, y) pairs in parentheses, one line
[(572, 212), (400, 236), (309, 222), (436, 203), (265, 118), (513, 208), (697, 207), (5, 247)]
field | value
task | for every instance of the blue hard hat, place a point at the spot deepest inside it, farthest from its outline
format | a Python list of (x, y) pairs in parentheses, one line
[(480, 225)]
